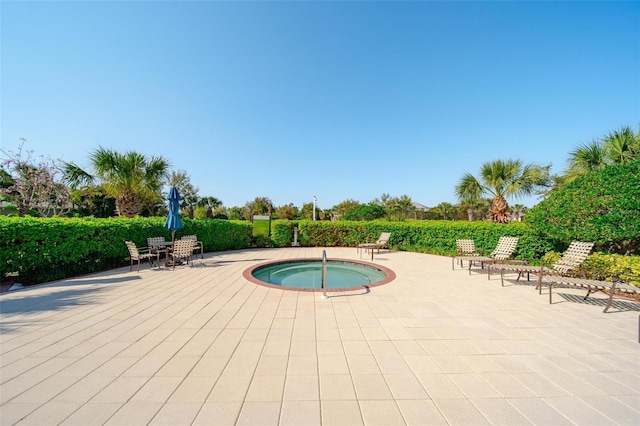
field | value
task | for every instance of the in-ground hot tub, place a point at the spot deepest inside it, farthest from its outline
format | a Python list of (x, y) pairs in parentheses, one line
[(306, 274)]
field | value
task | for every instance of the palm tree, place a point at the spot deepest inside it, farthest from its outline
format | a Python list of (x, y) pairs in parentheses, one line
[(517, 211), (473, 207), (444, 211), (131, 178), (502, 179), (622, 146), (401, 208), (210, 203), (617, 148), (585, 158)]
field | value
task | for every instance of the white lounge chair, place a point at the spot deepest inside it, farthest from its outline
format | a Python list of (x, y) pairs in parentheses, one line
[(381, 242)]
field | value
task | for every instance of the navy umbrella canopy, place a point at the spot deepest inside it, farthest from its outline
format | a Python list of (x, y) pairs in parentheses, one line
[(173, 221)]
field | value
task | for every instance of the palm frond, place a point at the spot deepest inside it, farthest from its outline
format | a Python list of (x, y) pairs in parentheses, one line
[(75, 176), (586, 157), (469, 188), (622, 146)]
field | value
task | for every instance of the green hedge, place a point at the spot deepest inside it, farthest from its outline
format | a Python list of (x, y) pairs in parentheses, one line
[(426, 236), (42, 250), (46, 249), (602, 206)]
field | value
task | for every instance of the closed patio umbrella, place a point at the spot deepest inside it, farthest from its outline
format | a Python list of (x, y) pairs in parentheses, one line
[(173, 221)]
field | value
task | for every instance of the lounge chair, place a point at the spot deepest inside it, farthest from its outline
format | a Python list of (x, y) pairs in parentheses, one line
[(503, 252), (197, 244), (465, 248), (612, 288), (572, 259), (139, 253), (381, 242)]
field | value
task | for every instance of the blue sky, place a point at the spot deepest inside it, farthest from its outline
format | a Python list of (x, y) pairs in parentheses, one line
[(345, 100)]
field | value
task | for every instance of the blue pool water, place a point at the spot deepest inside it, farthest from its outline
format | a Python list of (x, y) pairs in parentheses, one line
[(307, 274)]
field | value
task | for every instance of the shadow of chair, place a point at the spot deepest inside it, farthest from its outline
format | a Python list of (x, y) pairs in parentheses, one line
[(610, 288)]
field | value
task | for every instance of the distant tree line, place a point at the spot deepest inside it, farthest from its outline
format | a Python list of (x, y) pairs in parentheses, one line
[(132, 184)]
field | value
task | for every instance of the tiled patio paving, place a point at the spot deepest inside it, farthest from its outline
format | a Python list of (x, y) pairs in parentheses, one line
[(203, 346)]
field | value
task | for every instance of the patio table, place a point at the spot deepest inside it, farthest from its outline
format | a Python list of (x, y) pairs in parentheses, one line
[(162, 247)]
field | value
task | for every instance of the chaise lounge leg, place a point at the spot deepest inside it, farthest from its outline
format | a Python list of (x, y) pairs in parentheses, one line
[(539, 286), (502, 277), (613, 288)]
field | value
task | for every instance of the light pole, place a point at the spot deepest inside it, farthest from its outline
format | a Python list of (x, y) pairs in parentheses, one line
[(314, 206)]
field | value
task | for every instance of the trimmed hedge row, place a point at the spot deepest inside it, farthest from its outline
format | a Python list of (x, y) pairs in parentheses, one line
[(41, 250), (46, 249), (439, 237), (435, 237)]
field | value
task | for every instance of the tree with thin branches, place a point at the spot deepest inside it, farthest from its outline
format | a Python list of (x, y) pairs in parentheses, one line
[(189, 198), (33, 186)]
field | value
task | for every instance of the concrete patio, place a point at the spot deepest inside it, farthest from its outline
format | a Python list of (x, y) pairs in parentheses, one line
[(201, 345)]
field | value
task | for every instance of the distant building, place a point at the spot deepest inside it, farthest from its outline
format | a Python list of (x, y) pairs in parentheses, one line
[(420, 210)]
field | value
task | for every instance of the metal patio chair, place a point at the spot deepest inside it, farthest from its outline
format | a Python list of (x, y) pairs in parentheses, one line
[(140, 253)]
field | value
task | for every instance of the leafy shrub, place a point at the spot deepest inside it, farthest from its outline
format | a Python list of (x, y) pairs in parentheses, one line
[(435, 237), (200, 212), (601, 206), (607, 267), (46, 249), (603, 266), (550, 258), (260, 241)]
